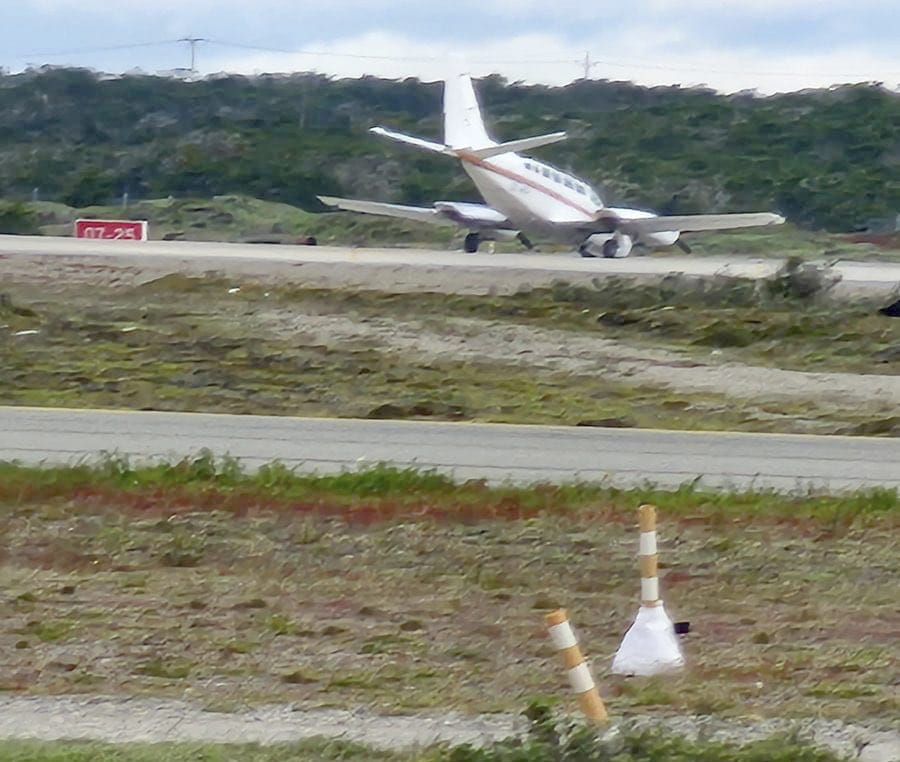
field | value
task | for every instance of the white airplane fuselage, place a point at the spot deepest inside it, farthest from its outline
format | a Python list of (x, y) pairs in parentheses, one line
[(535, 197)]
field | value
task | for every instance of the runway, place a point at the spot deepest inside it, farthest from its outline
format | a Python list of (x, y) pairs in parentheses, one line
[(498, 453), (399, 269)]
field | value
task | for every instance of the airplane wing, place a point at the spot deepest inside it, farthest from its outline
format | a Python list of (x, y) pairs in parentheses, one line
[(473, 216), (695, 223), (636, 222)]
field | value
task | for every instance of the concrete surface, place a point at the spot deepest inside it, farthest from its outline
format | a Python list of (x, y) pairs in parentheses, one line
[(400, 269), (496, 452)]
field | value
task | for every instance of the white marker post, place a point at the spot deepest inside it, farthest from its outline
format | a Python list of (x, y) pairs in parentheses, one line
[(650, 645), (577, 670)]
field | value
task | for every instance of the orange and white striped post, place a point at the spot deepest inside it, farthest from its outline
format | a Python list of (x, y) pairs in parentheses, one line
[(650, 646), (578, 672), (647, 556)]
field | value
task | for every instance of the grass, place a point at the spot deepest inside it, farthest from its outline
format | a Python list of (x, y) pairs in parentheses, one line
[(240, 218), (791, 241), (251, 352), (401, 591), (782, 322), (316, 750), (582, 746), (385, 492), (547, 741)]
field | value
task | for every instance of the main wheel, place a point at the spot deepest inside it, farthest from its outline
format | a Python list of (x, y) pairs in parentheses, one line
[(586, 252), (470, 244), (610, 248)]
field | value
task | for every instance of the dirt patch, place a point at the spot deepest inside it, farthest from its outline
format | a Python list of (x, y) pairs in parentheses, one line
[(570, 352)]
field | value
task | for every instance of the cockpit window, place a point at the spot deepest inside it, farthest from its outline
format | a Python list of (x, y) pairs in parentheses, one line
[(580, 189)]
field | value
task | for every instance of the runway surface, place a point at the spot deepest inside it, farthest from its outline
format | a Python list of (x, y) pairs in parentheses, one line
[(498, 453), (407, 269)]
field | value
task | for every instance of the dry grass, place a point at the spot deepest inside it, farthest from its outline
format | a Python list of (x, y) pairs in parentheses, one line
[(188, 344), (230, 596)]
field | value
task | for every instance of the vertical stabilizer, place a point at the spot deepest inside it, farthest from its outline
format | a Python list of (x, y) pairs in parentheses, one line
[(463, 125)]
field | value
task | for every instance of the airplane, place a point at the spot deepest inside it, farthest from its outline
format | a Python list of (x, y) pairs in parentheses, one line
[(526, 197)]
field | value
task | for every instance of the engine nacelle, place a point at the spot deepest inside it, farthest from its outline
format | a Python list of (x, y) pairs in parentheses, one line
[(617, 245), (661, 239)]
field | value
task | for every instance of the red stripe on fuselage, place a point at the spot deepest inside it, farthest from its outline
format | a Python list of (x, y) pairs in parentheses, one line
[(510, 175)]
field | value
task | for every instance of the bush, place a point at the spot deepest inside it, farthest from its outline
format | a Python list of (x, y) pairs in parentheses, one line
[(17, 218)]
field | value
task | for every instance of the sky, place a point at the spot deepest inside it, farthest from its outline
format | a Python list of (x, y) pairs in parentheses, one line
[(729, 45)]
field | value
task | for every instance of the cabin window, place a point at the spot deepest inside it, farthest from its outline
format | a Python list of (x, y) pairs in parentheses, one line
[(569, 183), (546, 172), (556, 178), (528, 166), (580, 189)]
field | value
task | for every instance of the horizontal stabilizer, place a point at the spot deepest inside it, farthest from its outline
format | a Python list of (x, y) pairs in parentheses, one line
[(514, 146), (495, 149), (410, 140)]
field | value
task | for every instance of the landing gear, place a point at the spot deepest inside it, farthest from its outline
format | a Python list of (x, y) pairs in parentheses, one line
[(610, 248), (585, 251), (523, 239), (471, 242)]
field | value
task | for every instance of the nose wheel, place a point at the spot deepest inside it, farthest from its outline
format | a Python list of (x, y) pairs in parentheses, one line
[(471, 243), (585, 251)]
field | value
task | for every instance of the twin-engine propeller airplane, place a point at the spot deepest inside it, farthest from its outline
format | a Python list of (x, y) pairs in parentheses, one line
[(527, 197)]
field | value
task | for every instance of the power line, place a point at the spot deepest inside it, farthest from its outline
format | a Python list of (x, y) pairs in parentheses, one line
[(587, 63), (712, 70), (192, 41), (88, 51)]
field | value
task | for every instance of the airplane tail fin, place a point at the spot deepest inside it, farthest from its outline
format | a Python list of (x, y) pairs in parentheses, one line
[(464, 132), (463, 123)]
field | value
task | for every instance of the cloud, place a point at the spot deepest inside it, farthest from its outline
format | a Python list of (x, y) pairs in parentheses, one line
[(731, 45), (551, 59)]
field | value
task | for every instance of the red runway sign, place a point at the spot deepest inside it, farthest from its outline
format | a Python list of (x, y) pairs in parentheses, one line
[(113, 230)]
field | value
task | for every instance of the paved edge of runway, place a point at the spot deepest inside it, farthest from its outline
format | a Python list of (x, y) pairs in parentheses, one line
[(408, 422), (625, 458)]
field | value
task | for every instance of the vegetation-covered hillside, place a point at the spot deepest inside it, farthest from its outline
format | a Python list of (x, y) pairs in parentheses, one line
[(824, 158)]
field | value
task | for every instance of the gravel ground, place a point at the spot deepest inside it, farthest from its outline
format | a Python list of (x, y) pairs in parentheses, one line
[(570, 352), (155, 721)]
